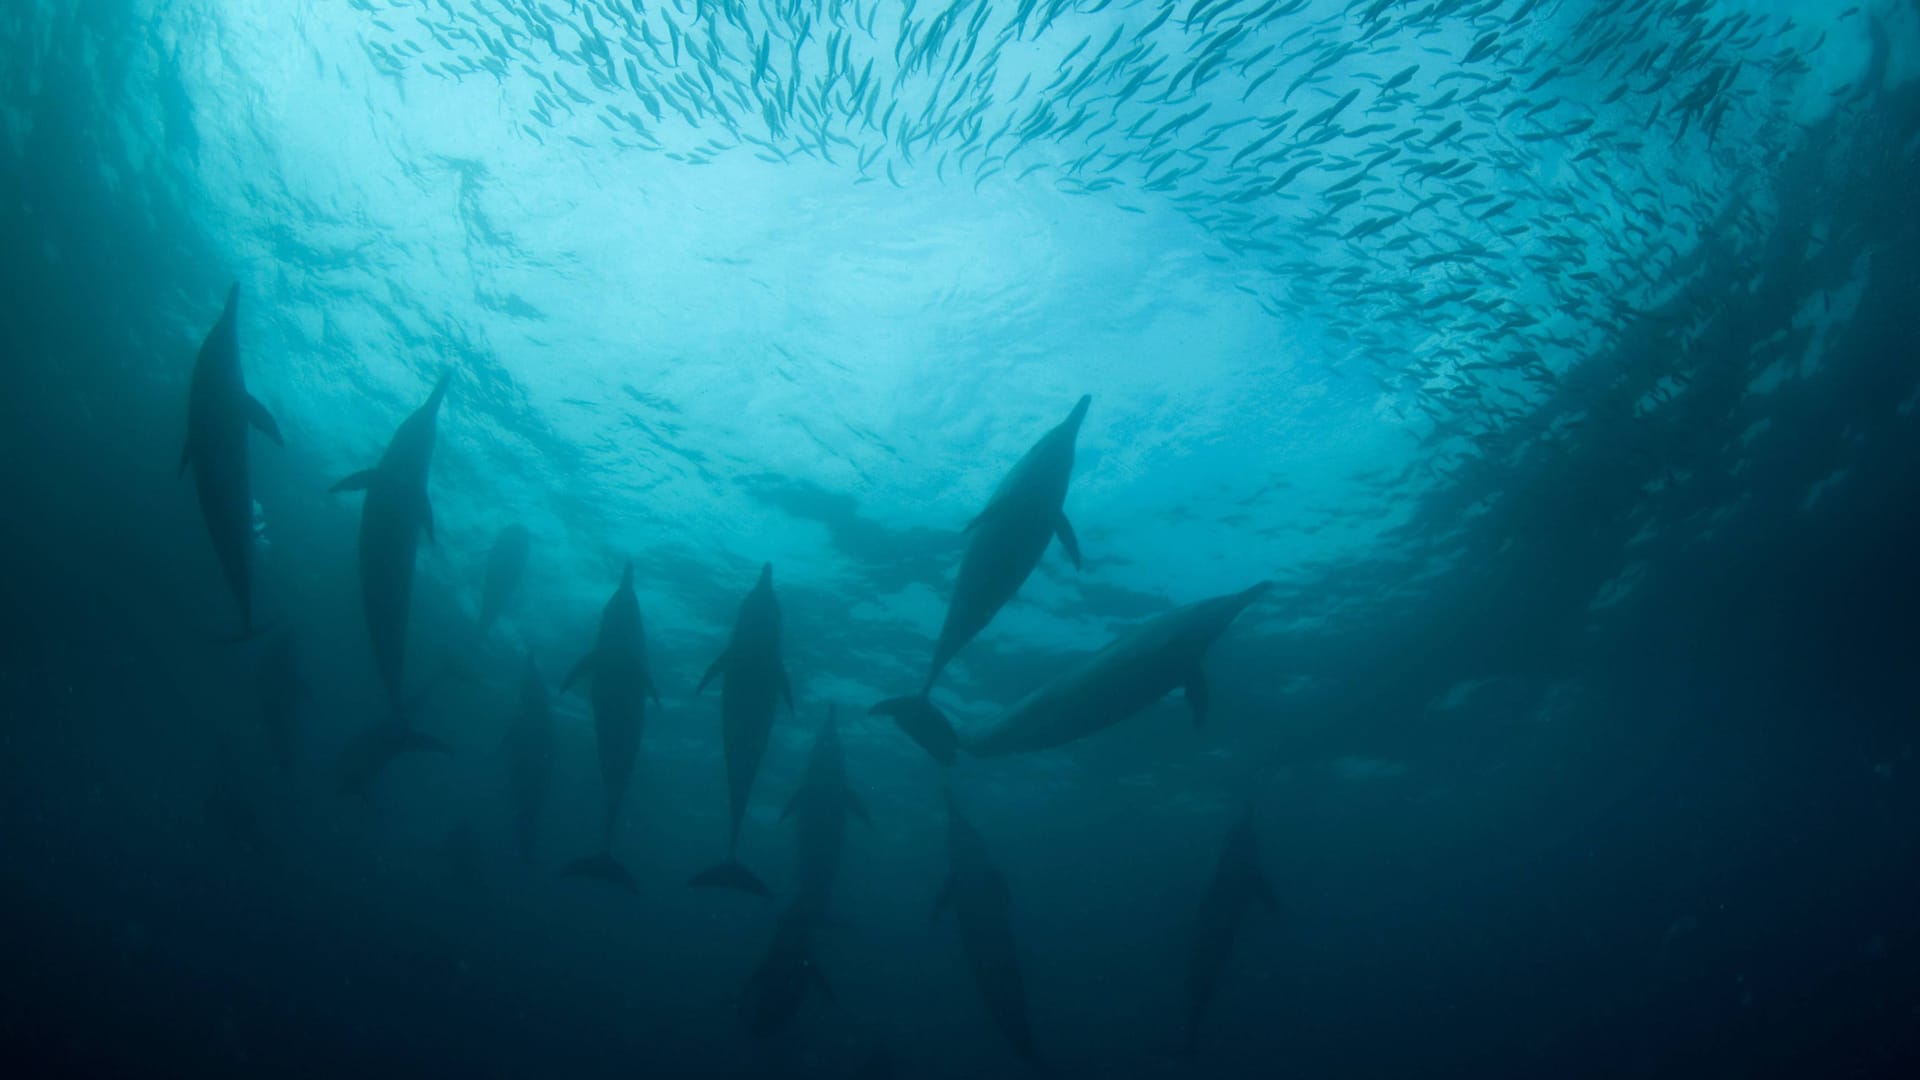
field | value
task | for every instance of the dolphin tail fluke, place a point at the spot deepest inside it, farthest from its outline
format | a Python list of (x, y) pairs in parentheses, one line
[(918, 717), (601, 867), (731, 875)]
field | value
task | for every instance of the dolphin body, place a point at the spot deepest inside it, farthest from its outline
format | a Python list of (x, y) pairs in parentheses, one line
[(979, 897), (530, 744), (819, 810), (1130, 673), (753, 682), (394, 515), (219, 411), (279, 690), (778, 986), (1237, 882), (618, 667), (1007, 540), (506, 565)]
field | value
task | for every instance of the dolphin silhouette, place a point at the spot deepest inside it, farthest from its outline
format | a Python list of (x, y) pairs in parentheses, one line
[(1130, 673), (753, 682), (618, 668), (530, 743), (978, 895), (1005, 544), (219, 411), (1237, 882), (778, 986), (395, 513), (819, 809)]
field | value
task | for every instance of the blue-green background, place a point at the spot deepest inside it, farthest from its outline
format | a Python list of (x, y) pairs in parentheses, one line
[(1579, 731)]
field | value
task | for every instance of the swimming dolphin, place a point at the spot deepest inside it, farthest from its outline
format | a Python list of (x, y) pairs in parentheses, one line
[(1008, 538), (1237, 881), (278, 691), (219, 411), (1130, 673), (779, 983), (396, 511), (979, 897), (618, 667), (819, 810), (506, 565), (753, 682), (530, 742)]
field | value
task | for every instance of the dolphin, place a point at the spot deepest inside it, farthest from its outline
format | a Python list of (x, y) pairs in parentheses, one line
[(618, 667), (1132, 672), (979, 897), (396, 511), (1006, 542), (530, 742), (279, 689), (1237, 881), (778, 985), (819, 809), (506, 565), (219, 411), (753, 682)]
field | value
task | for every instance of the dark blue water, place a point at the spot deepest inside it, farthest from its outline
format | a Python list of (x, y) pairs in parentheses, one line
[(1553, 361)]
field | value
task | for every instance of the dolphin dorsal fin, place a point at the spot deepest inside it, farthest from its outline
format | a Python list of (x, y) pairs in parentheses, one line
[(259, 417), (580, 671), (1197, 699), (359, 481), (1064, 530), (714, 671), (1263, 890)]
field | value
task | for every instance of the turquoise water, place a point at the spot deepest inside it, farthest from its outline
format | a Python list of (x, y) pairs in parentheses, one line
[(1549, 357)]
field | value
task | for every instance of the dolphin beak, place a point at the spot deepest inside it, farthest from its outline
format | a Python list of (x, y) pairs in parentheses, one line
[(439, 390), (233, 301), (626, 577), (1079, 413), (766, 576)]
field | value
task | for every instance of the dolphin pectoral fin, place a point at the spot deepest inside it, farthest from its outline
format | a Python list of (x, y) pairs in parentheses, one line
[(820, 980), (730, 875), (417, 742), (919, 719), (1064, 530), (580, 670), (259, 417), (600, 868), (858, 809), (359, 481), (186, 455), (941, 902), (1197, 698), (786, 687), (1263, 889), (714, 670)]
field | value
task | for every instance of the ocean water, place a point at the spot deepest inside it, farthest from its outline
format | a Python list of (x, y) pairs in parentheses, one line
[(1552, 360)]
